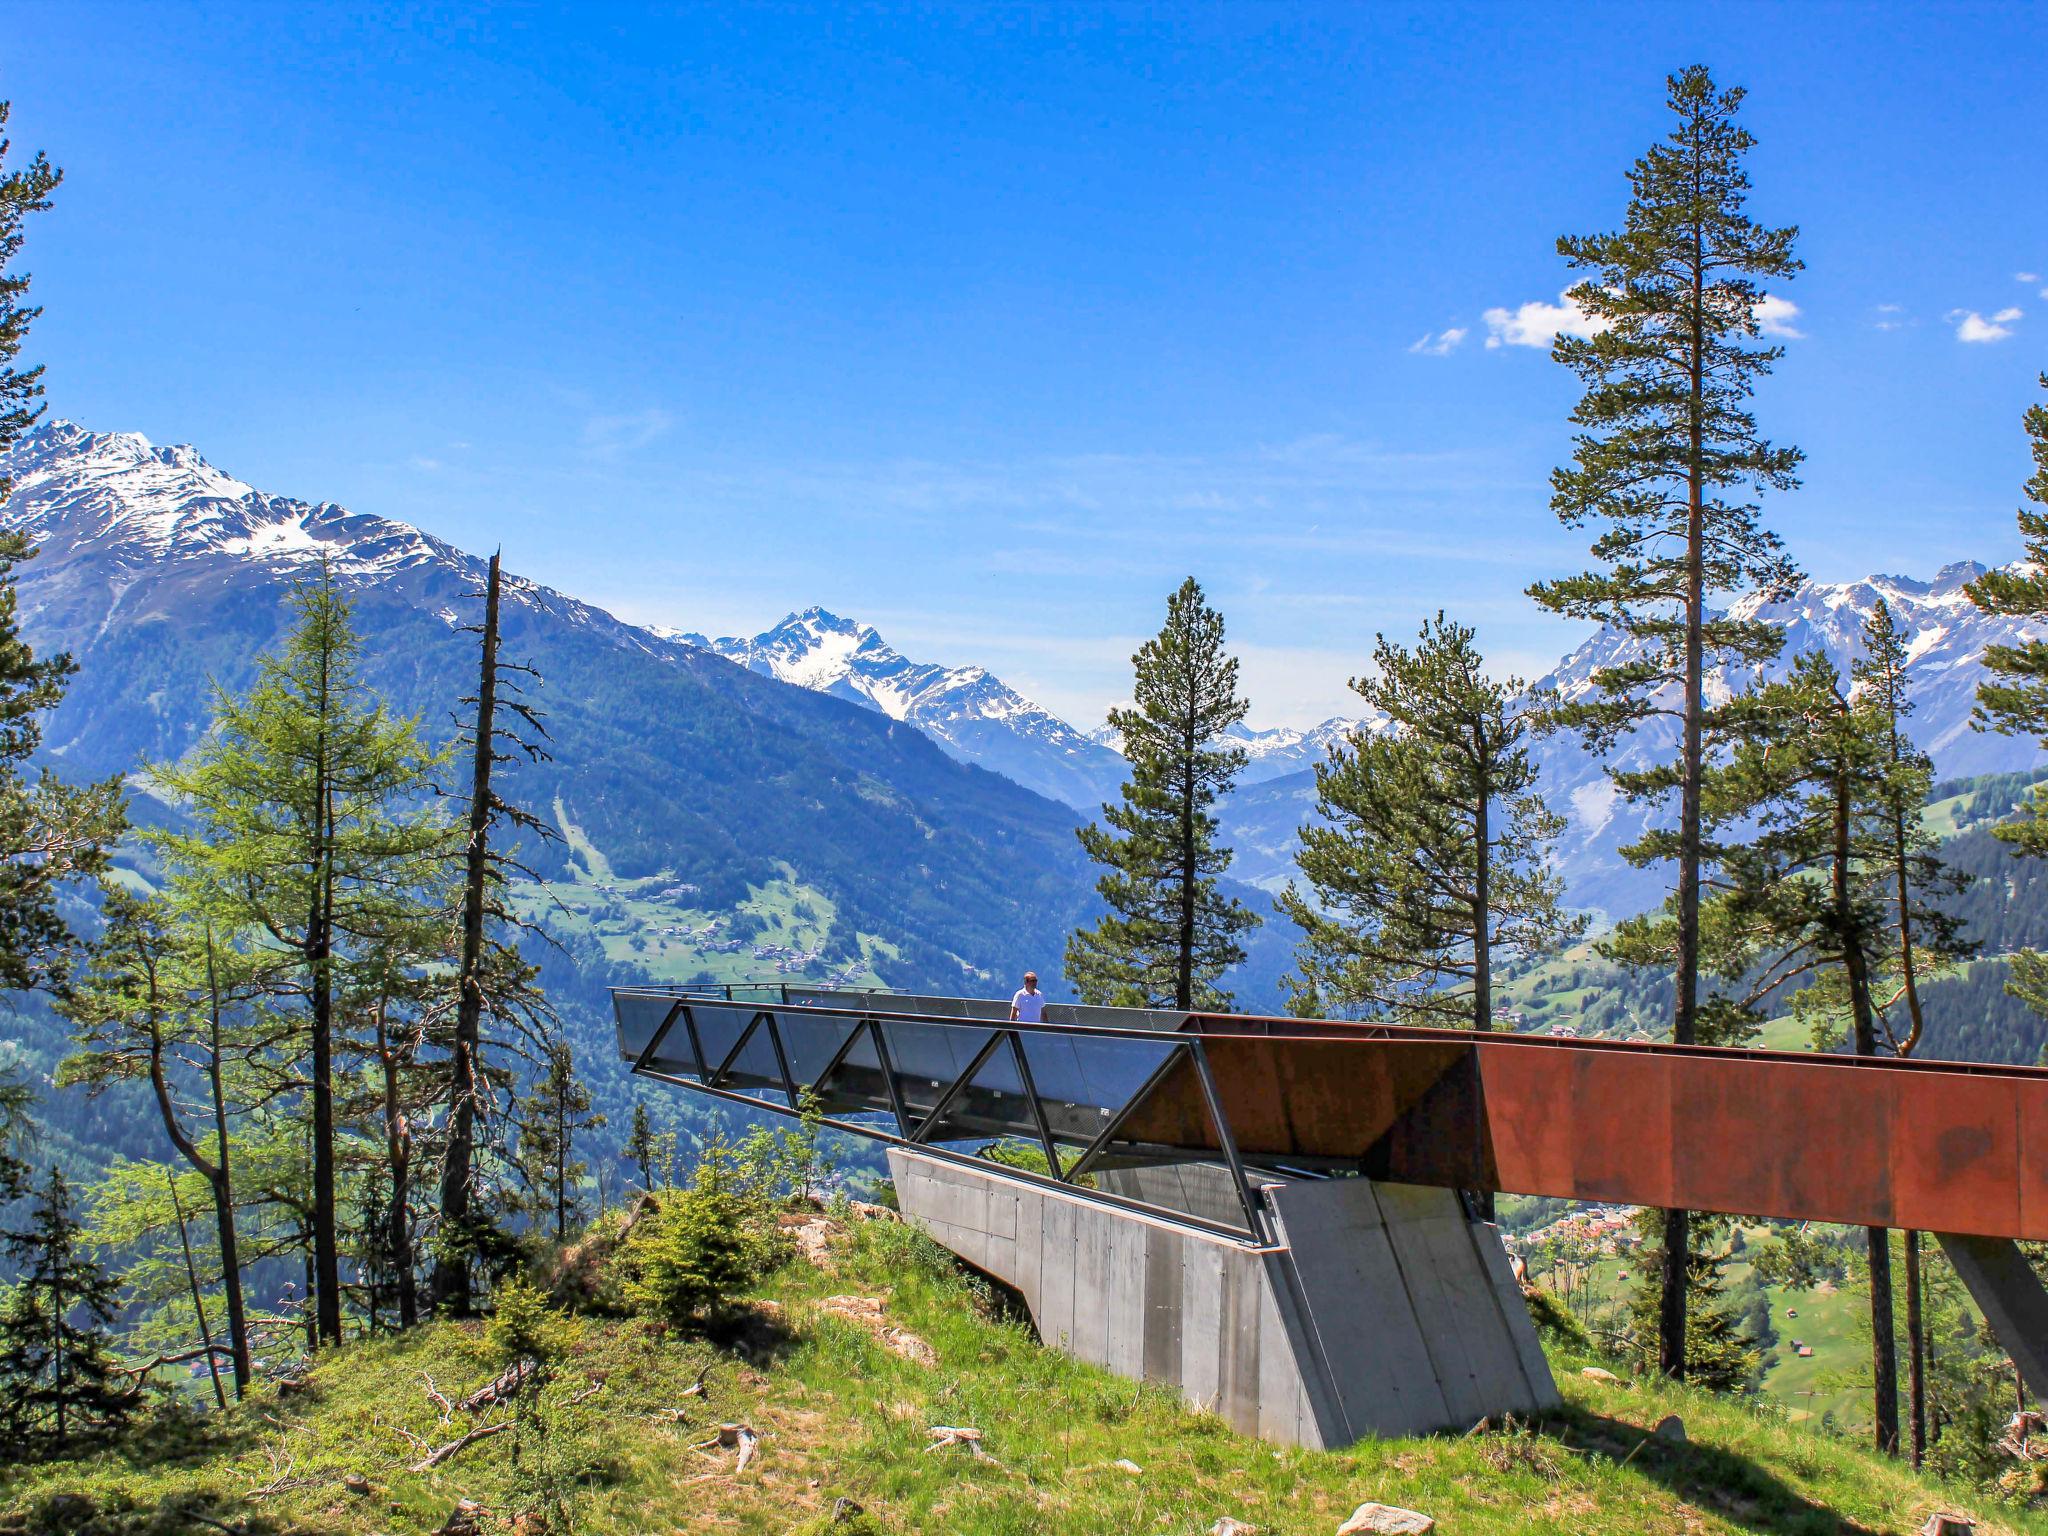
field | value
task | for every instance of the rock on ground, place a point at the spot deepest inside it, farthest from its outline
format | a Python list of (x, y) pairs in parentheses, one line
[(1386, 1520)]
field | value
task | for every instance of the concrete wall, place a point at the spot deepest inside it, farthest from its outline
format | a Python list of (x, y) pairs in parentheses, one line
[(1379, 1312)]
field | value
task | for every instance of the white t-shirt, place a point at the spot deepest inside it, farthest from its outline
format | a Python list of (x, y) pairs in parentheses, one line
[(1030, 1006)]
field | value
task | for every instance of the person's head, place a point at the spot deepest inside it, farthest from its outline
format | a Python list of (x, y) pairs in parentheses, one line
[(1031, 981)]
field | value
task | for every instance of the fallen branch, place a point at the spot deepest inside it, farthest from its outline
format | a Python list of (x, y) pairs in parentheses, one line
[(438, 1398), (944, 1435), (585, 1395), (453, 1447), (506, 1383), (180, 1358)]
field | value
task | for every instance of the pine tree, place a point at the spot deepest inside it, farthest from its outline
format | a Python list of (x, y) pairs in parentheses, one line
[(58, 1384), (640, 1145), (1170, 932), (150, 1007), (1427, 862), (2014, 699), (1667, 463), (51, 834), (492, 983), (313, 839), (550, 1116)]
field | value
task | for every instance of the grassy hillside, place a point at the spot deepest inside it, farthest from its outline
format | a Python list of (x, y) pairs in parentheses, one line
[(844, 1407)]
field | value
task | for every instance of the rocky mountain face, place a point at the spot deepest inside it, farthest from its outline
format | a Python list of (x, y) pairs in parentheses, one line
[(1946, 640), (816, 742), (973, 715), (164, 576)]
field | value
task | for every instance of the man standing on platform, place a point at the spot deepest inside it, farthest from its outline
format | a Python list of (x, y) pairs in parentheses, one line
[(1028, 1006)]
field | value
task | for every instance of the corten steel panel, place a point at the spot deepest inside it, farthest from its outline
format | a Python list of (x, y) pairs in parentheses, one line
[(1943, 1131), (1775, 1140), (2033, 1162), (1819, 1140)]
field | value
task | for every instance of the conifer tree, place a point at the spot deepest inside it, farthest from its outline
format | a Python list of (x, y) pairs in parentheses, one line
[(150, 1008), (641, 1146), (2013, 700), (1929, 946), (1667, 466), (313, 839), (58, 1384), (1427, 863), (51, 833), (492, 982), (1170, 932), (550, 1116)]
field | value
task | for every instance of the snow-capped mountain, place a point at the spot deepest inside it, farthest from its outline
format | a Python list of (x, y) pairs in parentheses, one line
[(118, 520), (968, 711), (1946, 633), (1269, 754), (167, 578), (1274, 753)]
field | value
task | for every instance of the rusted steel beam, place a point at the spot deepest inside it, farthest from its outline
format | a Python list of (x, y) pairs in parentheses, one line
[(1938, 1146)]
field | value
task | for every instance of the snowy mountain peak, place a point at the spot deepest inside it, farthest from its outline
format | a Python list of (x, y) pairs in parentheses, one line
[(124, 515), (968, 711)]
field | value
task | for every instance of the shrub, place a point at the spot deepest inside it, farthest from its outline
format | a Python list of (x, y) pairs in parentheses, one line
[(699, 1248)]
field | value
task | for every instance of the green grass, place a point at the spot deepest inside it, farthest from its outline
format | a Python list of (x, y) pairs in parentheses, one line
[(842, 1416)]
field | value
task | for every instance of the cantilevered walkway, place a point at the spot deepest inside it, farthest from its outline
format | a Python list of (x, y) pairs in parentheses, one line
[(1232, 1134)]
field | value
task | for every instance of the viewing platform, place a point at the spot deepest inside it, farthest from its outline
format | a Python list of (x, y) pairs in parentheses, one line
[(1319, 1161)]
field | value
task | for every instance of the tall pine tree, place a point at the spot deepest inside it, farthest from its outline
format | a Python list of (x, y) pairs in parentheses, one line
[(1667, 466), (313, 839), (1427, 863), (1170, 932)]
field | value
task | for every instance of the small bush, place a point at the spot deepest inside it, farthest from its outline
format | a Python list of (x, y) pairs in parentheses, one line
[(700, 1248)]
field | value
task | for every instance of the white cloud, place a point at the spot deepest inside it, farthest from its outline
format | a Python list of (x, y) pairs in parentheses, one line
[(1971, 326), (1536, 324), (1442, 344), (606, 437), (2026, 277), (1774, 317), (1889, 317)]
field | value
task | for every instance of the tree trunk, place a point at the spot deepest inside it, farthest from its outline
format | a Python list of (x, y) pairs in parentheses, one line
[(1184, 973), (214, 1171), (223, 1189), (1884, 1349), (1916, 1356), (319, 951), (451, 1271), (1482, 940), (1671, 1309), (398, 1161), (220, 1397)]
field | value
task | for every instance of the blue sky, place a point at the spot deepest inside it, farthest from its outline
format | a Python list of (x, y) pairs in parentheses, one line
[(989, 325)]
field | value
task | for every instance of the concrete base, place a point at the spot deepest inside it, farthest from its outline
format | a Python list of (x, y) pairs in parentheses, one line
[(2002, 1283), (1380, 1309)]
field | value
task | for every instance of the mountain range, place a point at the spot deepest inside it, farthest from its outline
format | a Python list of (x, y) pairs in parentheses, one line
[(165, 578), (977, 718), (814, 749)]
